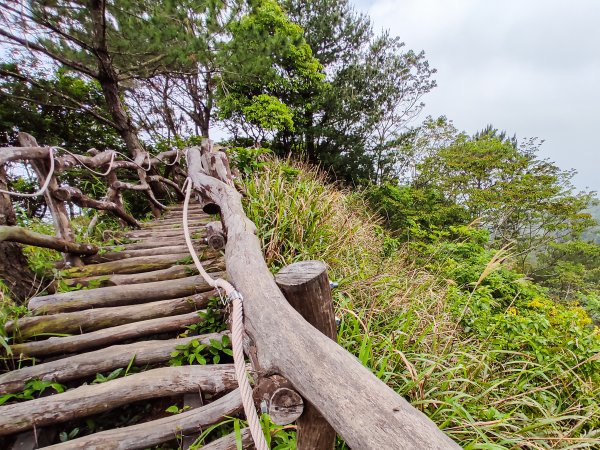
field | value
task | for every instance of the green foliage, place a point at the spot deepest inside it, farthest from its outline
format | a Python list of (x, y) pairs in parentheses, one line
[(64, 436), (33, 389), (269, 89), (38, 109), (196, 353), (444, 320), (413, 212), (518, 197), (211, 319), (247, 159)]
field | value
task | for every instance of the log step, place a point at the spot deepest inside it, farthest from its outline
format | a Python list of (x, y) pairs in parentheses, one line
[(96, 398), (95, 319), (119, 295), (155, 432), (106, 359), (138, 291), (105, 336)]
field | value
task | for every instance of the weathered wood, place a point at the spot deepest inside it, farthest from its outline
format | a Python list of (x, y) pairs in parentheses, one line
[(361, 408), (229, 442), (137, 264), (148, 244), (284, 405), (119, 295), (24, 152), (58, 210), (170, 273), (34, 439), (167, 250), (106, 359), (215, 237), (28, 237), (106, 336), (152, 433), (96, 319), (72, 194), (92, 399), (305, 286)]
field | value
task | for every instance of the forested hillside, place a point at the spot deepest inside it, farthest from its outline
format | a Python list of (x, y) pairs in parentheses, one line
[(468, 265)]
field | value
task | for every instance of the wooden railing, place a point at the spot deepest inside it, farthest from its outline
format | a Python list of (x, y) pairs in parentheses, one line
[(289, 318)]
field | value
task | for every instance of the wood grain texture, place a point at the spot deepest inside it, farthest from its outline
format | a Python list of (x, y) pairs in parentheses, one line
[(106, 336), (131, 265), (157, 431), (103, 360), (366, 412), (305, 285), (119, 295), (95, 398), (229, 442), (95, 319), (28, 237)]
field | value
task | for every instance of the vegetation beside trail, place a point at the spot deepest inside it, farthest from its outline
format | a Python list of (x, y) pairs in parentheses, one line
[(447, 322)]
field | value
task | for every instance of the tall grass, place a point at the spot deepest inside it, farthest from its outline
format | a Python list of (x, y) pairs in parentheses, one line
[(403, 322)]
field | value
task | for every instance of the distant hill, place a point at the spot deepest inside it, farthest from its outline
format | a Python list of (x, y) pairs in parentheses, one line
[(594, 233)]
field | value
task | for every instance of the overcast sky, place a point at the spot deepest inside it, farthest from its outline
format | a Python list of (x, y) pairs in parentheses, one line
[(530, 67)]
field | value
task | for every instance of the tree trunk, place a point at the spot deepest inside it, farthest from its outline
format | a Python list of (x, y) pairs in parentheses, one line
[(14, 271)]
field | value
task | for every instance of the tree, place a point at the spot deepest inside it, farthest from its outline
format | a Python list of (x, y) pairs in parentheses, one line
[(521, 199), (54, 109), (358, 126), (109, 42), (268, 72)]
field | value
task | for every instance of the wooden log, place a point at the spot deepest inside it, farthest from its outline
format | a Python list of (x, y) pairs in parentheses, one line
[(305, 285), (28, 237), (137, 264), (106, 359), (215, 237), (144, 245), (119, 295), (167, 250), (106, 336), (284, 405), (170, 273), (58, 210), (24, 152), (326, 375), (72, 194), (93, 399), (229, 442), (96, 319), (149, 434)]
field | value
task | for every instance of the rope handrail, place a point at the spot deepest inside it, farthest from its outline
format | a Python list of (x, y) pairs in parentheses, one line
[(237, 329), (44, 187)]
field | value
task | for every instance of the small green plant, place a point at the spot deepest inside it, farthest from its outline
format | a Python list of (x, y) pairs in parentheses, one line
[(196, 353), (33, 389), (64, 436), (174, 409), (212, 319), (111, 376)]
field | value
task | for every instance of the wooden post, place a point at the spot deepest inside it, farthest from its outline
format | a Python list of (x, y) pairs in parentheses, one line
[(305, 285), (57, 208), (215, 238)]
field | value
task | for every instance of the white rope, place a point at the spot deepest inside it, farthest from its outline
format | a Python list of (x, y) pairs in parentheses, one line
[(175, 161), (237, 329), (133, 161), (42, 190), (110, 165)]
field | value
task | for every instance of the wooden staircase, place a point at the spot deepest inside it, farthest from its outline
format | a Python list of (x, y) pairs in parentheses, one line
[(130, 309)]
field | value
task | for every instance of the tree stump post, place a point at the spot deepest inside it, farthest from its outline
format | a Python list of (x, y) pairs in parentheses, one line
[(305, 285)]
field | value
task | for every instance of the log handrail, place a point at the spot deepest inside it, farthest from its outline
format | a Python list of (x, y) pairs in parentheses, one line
[(361, 408)]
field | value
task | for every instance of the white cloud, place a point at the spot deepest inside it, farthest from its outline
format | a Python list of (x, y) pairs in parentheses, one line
[(530, 67)]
